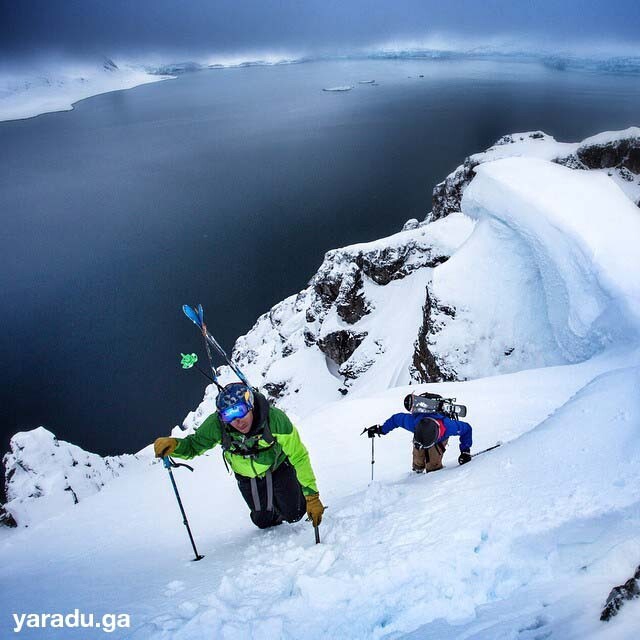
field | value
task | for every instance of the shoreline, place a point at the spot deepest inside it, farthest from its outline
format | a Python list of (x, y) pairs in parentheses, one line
[(31, 104), (43, 95)]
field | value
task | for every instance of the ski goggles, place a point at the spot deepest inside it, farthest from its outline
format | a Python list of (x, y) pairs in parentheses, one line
[(229, 414)]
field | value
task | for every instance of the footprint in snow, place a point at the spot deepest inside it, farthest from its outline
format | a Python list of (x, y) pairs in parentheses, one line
[(174, 587), (535, 630), (484, 536)]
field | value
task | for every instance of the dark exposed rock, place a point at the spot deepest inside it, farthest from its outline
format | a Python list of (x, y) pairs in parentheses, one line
[(394, 263), (326, 288), (624, 152), (571, 162), (616, 598), (6, 519), (73, 493), (355, 309), (287, 350), (351, 370), (626, 175), (351, 303), (448, 193), (340, 345), (426, 365), (275, 390)]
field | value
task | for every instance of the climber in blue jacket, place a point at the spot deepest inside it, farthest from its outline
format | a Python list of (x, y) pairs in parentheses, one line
[(431, 433)]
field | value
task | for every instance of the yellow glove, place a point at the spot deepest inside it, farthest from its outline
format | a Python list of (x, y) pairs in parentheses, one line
[(315, 508), (164, 447)]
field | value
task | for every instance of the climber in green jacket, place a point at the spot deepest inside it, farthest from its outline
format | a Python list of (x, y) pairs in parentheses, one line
[(264, 450)]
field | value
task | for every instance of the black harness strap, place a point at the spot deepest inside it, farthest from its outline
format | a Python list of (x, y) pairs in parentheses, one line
[(269, 491), (255, 495)]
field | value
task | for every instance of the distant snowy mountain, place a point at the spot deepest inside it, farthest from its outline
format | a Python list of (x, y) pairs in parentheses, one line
[(531, 288), (567, 61), (56, 86), (49, 87)]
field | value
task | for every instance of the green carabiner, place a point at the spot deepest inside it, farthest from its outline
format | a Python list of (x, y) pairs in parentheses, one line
[(188, 360)]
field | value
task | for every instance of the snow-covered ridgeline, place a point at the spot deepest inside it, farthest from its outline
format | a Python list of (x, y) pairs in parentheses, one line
[(616, 153), (384, 313), (45, 476), (47, 87), (570, 61)]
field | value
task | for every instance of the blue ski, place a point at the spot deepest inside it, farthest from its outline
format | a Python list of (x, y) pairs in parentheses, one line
[(197, 317)]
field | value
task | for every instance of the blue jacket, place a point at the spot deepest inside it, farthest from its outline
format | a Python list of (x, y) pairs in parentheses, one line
[(448, 427)]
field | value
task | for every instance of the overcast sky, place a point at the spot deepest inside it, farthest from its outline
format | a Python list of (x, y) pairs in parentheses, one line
[(196, 27)]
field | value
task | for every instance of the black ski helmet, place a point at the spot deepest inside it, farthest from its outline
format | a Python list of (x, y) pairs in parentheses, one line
[(426, 433), (408, 402), (233, 394)]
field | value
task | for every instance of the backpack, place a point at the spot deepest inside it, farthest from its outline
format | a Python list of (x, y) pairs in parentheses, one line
[(434, 403)]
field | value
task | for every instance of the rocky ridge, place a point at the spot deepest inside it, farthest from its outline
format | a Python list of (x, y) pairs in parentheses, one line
[(333, 315), (39, 466)]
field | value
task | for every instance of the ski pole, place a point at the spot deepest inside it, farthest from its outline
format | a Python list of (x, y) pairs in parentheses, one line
[(495, 446), (197, 317), (373, 461), (371, 433), (168, 463), (317, 532)]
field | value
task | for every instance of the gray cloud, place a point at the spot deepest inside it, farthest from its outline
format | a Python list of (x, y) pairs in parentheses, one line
[(196, 27)]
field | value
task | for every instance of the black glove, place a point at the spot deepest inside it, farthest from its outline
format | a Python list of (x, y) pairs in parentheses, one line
[(464, 457), (372, 432)]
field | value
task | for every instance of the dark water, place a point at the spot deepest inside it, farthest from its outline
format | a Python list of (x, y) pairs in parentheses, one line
[(225, 187)]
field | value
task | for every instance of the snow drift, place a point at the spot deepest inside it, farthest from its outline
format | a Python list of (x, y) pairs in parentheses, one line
[(45, 476)]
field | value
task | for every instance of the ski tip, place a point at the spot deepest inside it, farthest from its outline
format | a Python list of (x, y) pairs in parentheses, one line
[(191, 314)]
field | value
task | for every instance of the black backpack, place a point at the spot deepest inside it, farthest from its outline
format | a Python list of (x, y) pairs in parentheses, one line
[(434, 403)]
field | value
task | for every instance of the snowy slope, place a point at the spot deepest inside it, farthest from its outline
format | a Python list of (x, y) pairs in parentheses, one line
[(50, 87), (546, 514), (443, 327), (524, 542), (549, 252)]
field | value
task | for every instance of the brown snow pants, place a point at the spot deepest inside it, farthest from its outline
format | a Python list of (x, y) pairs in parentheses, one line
[(429, 459)]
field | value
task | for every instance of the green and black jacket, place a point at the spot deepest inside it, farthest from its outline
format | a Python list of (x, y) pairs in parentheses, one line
[(285, 444)]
